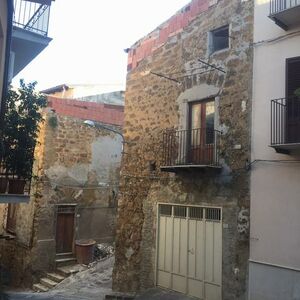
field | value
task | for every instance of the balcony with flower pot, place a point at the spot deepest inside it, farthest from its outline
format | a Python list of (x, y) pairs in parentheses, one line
[(19, 137), (13, 189)]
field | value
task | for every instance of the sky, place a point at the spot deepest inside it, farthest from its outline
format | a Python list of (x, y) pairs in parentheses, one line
[(89, 38)]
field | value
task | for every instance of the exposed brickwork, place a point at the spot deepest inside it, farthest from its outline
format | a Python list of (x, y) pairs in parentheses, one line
[(154, 104), (173, 26), (100, 112)]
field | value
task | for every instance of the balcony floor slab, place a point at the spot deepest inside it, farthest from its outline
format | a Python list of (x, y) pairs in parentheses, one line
[(287, 18), (177, 168), (14, 198)]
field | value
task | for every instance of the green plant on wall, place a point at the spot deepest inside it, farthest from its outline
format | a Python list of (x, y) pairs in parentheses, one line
[(297, 92), (21, 127)]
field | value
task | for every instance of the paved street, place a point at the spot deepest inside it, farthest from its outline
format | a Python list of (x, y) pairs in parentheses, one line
[(93, 283)]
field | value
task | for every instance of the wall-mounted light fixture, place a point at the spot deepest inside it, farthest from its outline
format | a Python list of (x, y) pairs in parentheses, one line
[(97, 125)]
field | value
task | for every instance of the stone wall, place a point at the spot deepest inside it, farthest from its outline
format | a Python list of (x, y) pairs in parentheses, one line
[(153, 104), (74, 164)]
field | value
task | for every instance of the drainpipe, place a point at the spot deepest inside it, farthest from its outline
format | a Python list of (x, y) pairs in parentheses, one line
[(10, 11)]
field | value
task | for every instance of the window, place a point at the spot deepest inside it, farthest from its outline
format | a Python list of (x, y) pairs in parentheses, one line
[(219, 39)]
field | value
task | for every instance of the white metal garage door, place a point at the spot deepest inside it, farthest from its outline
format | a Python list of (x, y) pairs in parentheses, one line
[(189, 252)]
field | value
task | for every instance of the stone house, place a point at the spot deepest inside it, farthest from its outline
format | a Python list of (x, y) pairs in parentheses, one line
[(183, 218), (275, 174), (73, 191)]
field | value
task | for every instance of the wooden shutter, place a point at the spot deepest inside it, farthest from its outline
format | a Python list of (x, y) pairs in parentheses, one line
[(293, 102), (293, 76)]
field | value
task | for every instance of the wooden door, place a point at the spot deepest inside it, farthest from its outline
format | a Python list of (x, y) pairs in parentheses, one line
[(11, 218), (293, 102), (202, 135), (65, 229)]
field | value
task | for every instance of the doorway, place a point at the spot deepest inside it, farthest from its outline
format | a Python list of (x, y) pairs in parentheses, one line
[(65, 220), (201, 144)]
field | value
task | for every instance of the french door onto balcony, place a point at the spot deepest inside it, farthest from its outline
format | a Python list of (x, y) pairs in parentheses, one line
[(202, 135)]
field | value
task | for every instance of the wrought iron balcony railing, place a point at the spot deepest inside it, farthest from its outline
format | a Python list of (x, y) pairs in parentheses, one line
[(195, 147), (12, 183), (285, 123), (277, 6), (32, 16), (285, 13)]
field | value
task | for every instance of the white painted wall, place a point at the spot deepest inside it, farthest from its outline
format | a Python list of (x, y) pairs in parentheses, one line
[(275, 187)]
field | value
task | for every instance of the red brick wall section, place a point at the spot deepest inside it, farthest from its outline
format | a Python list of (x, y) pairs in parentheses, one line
[(99, 112), (159, 37)]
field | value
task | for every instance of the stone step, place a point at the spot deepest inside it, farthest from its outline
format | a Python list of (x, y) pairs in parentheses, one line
[(118, 297), (48, 283), (64, 255), (55, 277), (69, 270), (65, 261), (40, 288)]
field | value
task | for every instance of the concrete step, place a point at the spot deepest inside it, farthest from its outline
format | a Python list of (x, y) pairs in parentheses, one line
[(69, 270), (55, 277), (64, 255), (40, 288), (48, 283), (60, 262), (118, 297)]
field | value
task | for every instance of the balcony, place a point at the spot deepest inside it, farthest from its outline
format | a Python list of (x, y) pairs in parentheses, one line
[(285, 13), (285, 124), (12, 188), (190, 150), (30, 32)]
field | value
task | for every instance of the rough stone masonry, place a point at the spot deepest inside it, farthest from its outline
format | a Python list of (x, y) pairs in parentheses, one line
[(154, 104)]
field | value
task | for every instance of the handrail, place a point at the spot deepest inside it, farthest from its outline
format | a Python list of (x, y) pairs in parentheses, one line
[(277, 6), (198, 146), (285, 120), (31, 16)]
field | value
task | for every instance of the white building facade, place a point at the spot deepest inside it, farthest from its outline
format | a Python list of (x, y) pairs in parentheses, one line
[(274, 266)]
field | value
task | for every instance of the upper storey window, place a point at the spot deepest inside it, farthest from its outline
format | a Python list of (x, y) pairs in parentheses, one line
[(218, 39)]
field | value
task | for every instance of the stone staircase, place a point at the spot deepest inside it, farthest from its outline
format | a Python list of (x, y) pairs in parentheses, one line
[(48, 282), (65, 266)]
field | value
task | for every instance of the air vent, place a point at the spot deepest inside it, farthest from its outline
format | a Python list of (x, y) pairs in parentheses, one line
[(196, 213), (165, 210), (213, 214), (180, 211)]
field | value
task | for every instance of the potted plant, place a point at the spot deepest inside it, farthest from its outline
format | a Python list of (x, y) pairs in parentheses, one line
[(20, 132)]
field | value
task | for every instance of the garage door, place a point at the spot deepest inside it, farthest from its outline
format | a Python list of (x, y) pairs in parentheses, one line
[(189, 252)]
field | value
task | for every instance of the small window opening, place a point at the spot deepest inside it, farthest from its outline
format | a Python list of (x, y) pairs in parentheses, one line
[(180, 211), (219, 39), (152, 166), (165, 210)]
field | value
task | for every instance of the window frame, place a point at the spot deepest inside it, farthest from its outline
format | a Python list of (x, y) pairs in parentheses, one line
[(211, 41)]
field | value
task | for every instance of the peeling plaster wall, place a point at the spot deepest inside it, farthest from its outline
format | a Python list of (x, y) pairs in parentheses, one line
[(153, 104), (74, 164)]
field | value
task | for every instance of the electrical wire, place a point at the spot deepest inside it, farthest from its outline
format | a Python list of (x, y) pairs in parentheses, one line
[(282, 37)]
